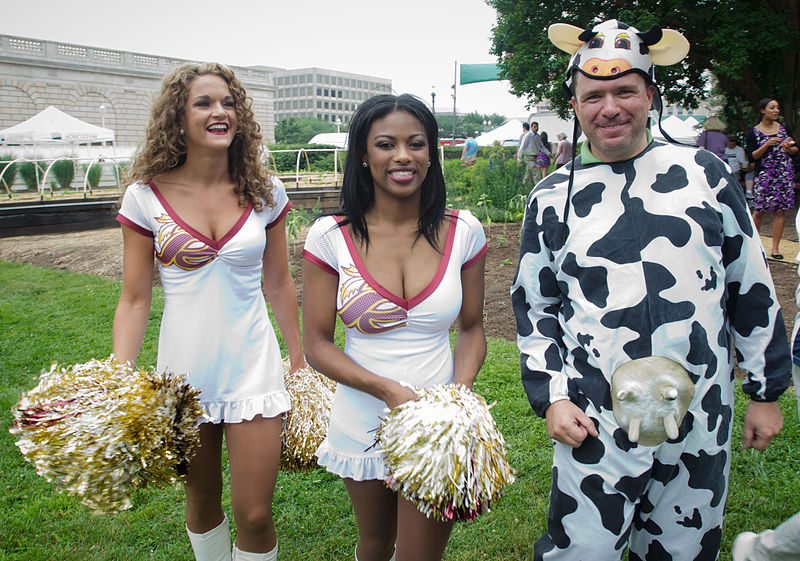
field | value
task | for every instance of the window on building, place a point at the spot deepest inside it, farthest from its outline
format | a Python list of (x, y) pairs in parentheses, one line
[(319, 106), (325, 105), (319, 91), (326, 93), (294, 104), (339, 94), (309, 79), (339, 106), (326, 79)]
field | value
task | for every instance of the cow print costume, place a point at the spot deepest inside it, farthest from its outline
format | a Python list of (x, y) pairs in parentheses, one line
[(659, 257)]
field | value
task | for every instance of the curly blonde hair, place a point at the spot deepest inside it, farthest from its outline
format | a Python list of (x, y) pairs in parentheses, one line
[(164, 147)]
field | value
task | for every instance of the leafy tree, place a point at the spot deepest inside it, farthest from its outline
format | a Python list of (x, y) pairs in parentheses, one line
[(471, 122), (299, 130), (746, 49)]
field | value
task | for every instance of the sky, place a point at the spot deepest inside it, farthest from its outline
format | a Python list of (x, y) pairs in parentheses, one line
[(414, 43)]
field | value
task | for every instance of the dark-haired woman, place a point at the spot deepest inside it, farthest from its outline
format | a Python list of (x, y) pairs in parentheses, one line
[(398, 268), (203, 205), (771, 145)]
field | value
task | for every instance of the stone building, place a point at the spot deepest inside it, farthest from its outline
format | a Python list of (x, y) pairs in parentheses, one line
[(101, 86)]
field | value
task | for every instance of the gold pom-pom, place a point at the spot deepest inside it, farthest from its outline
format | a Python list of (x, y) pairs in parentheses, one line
[(445, 454), (101, 429), (305, 426)]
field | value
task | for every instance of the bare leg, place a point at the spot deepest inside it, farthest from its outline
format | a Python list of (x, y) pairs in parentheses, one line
[(419, 538), (203, 482), (758, 218), (778, 222), (376, 513), (254, 449)]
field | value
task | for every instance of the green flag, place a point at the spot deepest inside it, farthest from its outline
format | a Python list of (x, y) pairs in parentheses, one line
[(471, 73)]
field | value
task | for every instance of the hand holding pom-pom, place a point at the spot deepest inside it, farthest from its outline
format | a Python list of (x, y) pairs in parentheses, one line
[(445, 454), (101, 429)]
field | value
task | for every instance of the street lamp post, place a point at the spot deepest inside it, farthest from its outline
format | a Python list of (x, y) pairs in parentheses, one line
[(338, 124), (433, 100)]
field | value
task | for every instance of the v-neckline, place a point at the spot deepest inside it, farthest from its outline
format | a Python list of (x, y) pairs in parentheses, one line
[(215, 244), (405, 303)]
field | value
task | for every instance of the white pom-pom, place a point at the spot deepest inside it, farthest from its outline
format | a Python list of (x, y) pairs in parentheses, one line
[(445, 454)]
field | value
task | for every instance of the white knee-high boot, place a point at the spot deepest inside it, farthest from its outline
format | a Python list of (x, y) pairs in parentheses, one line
[(214, 545), (239, 555)]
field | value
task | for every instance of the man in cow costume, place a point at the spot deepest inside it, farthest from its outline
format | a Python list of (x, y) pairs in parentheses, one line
[(640, 276)]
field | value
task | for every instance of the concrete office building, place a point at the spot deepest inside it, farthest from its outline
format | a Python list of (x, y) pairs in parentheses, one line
[(323, 94)]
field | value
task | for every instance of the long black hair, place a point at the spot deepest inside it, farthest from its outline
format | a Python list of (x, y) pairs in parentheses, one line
[(358, 191), (763, 105)]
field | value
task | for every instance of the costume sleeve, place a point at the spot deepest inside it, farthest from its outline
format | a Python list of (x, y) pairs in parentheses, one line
[(536, 298), (475, 244), (281, 200), (320, 246), (759, 332), (132, 210)]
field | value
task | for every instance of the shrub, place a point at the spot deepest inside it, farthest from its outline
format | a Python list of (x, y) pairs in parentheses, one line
[(63, 172), (93, 175), (27, 172), (10, 173)]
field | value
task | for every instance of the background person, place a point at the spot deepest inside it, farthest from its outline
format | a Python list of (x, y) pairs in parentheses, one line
[(734, 155), (712, 138), (469, 154), (771, 145), (543, 157), (564, 153), (203, 204), (616, 265), (398, 268), (529, 147)]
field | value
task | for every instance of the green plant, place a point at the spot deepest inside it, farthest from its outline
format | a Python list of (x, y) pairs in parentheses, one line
[(64, 172), (31, 174), (93, 175), (10, 174), (296, 219)]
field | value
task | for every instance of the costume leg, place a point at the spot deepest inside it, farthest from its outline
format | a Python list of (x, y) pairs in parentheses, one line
[(418, 537), (780, 544), (205, 520), (254, 449), (577, 530), (375, 507)]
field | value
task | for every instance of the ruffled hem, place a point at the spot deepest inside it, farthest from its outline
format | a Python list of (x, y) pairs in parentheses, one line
[(269, 405), (358, 468)]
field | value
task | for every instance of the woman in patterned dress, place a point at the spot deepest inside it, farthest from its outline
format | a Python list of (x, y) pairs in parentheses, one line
[(770, 144), (398, 268), (203, 205)]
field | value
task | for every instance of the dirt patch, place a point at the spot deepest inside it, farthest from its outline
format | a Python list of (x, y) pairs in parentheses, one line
[(99, 252)]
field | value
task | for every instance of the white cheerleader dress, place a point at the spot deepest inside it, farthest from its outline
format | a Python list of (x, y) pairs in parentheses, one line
[(403, 339), (215, 330)]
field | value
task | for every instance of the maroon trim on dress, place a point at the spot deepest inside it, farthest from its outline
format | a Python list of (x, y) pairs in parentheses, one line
[(404, 303), (320, 263), (125, 221), (469, 263), (281, 215), (214, 244)]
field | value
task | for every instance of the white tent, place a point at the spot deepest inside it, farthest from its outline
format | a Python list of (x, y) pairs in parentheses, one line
[(678, 129), (54, 126), (510, 130), (338, 139)]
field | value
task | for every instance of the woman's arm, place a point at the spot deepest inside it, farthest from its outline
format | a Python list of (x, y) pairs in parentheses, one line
[(280, 292), (470, 346), (319, 322), (133, 308)]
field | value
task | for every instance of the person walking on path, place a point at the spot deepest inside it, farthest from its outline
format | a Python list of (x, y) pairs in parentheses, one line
[(529, 148)]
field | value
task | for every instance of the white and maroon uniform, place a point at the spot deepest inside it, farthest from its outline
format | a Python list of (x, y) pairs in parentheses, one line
[(215, 329), (403, 339)]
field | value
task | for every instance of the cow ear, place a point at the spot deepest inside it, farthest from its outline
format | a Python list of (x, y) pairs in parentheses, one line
[(565, 37), (670, 49)]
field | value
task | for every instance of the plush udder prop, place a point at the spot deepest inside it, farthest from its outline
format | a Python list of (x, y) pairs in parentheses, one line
[(445, 454), (650, 397), (305, 426), (101, 429)]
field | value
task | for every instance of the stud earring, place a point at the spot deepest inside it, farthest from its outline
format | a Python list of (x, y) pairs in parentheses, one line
[(365, 164), (181, 132), (429, 163)]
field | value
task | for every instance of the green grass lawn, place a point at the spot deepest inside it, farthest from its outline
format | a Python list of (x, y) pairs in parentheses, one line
[(48, 315)]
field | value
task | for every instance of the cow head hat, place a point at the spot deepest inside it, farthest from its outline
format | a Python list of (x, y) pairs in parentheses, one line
[(612, 49)]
